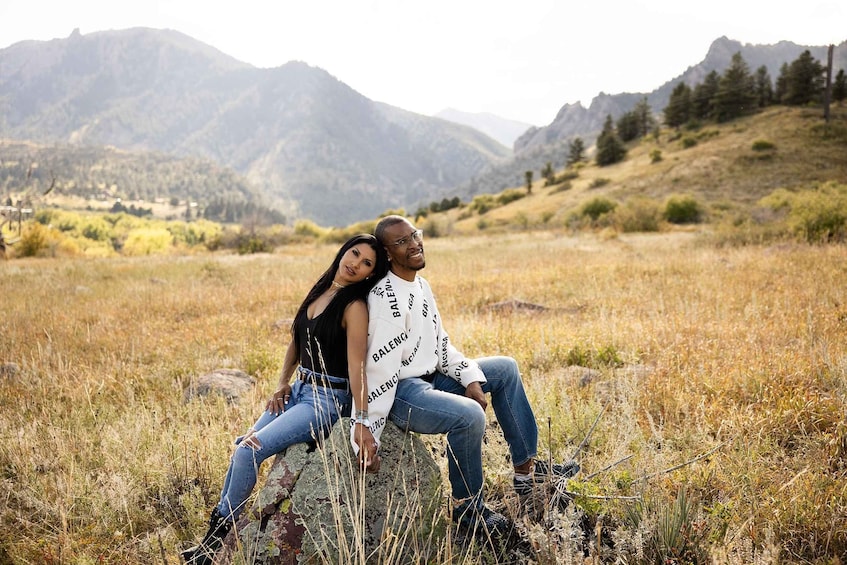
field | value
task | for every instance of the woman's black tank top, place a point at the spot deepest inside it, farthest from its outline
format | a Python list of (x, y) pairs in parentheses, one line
[(319, 356)]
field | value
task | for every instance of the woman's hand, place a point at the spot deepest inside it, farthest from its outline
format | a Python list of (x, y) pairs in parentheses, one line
[(276, 405), (369, 459)]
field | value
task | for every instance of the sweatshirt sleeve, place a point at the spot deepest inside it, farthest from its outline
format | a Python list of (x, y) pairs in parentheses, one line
[(451, 361)]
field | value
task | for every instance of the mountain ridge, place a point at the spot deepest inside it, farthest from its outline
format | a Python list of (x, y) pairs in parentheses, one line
[(310, 143), (313, 145)]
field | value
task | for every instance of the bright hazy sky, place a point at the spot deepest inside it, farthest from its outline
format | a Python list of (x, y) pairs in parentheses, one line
[(518, 59)]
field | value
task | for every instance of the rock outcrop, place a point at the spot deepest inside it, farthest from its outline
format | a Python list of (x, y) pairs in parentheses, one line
[(232, 384), (317, 506)]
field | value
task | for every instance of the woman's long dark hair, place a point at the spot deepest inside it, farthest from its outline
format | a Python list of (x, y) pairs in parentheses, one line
[(328, 329)]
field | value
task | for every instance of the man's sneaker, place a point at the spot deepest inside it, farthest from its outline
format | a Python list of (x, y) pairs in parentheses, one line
[(482, 521), (564, 470), (542, 472)]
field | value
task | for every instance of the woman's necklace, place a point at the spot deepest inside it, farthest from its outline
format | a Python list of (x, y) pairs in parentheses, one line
[(338, 286)]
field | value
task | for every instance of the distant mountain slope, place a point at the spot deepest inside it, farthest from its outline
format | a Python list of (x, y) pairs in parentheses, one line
[(500, 129), (310, 143), (96, 172)]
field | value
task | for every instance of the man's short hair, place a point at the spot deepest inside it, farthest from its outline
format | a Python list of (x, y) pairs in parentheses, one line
[(384, 224)]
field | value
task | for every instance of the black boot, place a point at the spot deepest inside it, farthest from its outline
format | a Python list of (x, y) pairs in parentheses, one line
[(204, 552)]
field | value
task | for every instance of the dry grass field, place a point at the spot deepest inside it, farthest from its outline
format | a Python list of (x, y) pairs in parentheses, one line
[(739, 354)]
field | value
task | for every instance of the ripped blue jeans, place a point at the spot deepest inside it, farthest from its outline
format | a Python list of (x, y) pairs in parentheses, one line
[(309, 414)]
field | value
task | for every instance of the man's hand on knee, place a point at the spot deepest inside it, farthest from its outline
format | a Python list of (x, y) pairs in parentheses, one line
[(474, 392)]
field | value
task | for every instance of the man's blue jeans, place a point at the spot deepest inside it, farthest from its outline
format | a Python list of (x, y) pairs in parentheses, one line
[(442, 407), (310, 414)]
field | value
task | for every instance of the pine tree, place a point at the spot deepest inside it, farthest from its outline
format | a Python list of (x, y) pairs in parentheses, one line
[(736, 93), (644, 117), (548, 174), (610, 148), (576, 151), (678, 110), (763, 86), (627, 126), (702, 99), (781, 86), (839, 87), (805, 80)]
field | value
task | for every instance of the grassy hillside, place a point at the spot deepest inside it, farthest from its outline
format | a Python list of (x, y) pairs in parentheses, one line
[(691, 349), (727, 168)]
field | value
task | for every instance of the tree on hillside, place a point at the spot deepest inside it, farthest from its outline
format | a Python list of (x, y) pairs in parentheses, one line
[(610, 148), (804, 80), (627, 126), (703, 95), (528, 177), (636, 123), (839, 87), (763, 87), (576, 151), (736, 92), (548, 174), (678, 110), (781, 85), (644, 117)]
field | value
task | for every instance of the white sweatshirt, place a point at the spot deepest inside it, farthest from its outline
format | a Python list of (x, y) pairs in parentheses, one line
[(406, 339)]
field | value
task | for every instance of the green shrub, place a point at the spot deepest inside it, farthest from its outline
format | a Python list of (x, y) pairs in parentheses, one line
[(597, 207), (561, 187), (147, 241), (638, 215), (819, 216), (584, 357), (510, 195), (655, 155), (95, 228), (522, 220), (64, 221), (308, 228), (763, 145), (199, 232), (682, 210), (35, 240), (598, 182), (570, 174), (253, 243), (688, 142), (482, 203), (436, 227)]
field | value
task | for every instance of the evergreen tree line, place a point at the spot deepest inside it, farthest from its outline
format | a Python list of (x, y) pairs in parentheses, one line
[(739, 92), (720, 98)]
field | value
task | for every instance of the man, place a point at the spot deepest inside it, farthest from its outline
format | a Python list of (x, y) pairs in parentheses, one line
[(419, 381)]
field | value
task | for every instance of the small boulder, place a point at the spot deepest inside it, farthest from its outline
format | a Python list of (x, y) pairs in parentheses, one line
[(232, 384), (9, 369)]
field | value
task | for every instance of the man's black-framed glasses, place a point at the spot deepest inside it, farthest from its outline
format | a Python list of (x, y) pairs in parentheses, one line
[(416, 235)]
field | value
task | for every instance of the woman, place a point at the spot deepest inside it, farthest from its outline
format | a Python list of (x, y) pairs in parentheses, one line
[(329, 338)]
